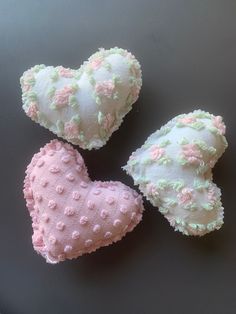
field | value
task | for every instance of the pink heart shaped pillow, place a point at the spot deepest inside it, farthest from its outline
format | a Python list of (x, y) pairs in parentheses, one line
[(72, 215)]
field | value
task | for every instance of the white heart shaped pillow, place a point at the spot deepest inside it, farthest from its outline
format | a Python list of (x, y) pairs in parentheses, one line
[(87, 105), (174, 171)]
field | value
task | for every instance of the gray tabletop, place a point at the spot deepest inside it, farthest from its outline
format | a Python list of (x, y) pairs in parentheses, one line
[(187, 50)]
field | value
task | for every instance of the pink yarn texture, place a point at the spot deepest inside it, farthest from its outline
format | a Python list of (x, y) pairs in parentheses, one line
[(72, 215)]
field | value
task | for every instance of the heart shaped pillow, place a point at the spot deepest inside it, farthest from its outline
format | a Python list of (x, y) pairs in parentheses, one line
[(87, 105), (173, 171), (71, 215)]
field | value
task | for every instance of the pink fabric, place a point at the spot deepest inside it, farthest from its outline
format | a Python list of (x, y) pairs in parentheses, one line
[(71, 215)]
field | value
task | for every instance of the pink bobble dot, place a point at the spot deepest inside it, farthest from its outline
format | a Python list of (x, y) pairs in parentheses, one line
[(60, 226), (38, 197), (90, 204), (133, 216), (117, 223), (52, 204), (76, 195), (104, 214), (45, 217), (97, 192), (96, 228), (88, 243), (70, 177), (110, 200), (75, 235), (126, 195), (43, 183), (83, 185), (67, 248), (107, 235), (52, 240), (66, 159), (69, 211), (78, 168), (83, 220), (54, 169), (123, 209), (40, 163), (59, 189), (51, 152)]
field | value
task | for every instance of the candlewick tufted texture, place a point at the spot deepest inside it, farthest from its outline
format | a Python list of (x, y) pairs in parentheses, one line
[(87, 105), (174, 171), (71, 215)]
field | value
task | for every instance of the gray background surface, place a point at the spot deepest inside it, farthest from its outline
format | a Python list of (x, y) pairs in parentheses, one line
[(187, 50)]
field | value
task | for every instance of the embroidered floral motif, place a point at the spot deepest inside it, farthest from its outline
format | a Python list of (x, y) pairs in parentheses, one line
[(105, 88), (61, 96), (185, 197), (219, 124), (108, 121), (95, 63), (152, 190), (32, 110), (187, 120), (64, 72), (156, 152), (192, 154), (71, 129)]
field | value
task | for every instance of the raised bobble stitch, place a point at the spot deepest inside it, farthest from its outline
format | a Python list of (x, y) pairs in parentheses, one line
[(88, 243), (52, 239), (133, 216), (45, 217), (43, 182), (104, 214), (59, 189), (75, 195), (90, 204), (83, 185), (123, 209), (52, 204), (67, 248), (40, 163), (126, 195), (96, 228), (111, 188), (60, 226), (83, 220), (38, 197), (107, 235), (54, 169), (78, 168), (97, 192), (66, 159), (69, 211), (70, 177), (110, 200), (51, 152), (117, 223), (75, 235)]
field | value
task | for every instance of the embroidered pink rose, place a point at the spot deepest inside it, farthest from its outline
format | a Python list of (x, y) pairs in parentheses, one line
[(67, 73), (71, 129), (152, 190), (157, 152), (219, 124), (211, 195), (187, 120), (61, 96), (105, 88), (108, 121), (185, 196), (32, 110), (192, 153), (96, 63), (27, 79)]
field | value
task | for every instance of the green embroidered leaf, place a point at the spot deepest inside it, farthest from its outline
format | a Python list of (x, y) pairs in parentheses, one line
[(51, 91), (183, 141), (197, 125), (60, 126), (73, 101), (100, 117), (54, 75), (177, 185), (76, 118), (164, 143)]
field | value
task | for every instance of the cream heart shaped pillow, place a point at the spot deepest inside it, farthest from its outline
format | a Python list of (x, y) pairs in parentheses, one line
[(174, 171), (71, 215), (87, 105)]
